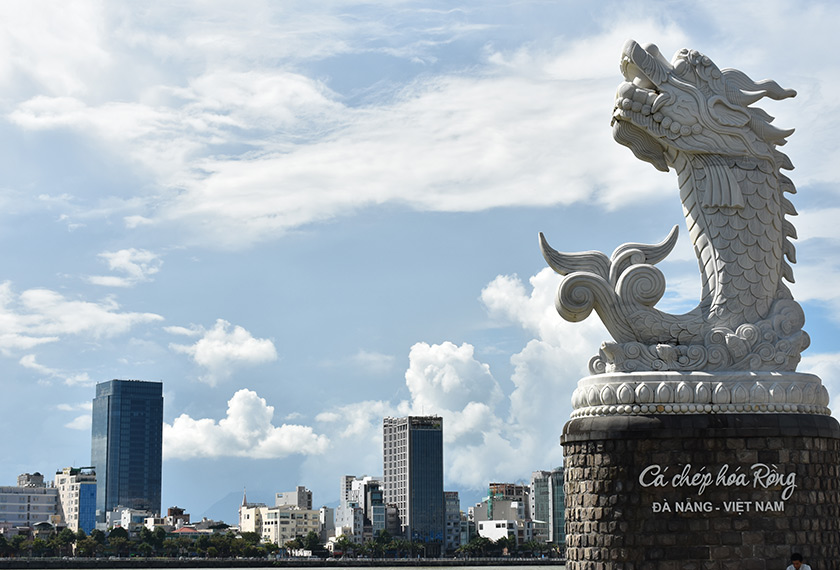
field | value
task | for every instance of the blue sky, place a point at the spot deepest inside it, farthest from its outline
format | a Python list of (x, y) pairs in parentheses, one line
[(304, 216)]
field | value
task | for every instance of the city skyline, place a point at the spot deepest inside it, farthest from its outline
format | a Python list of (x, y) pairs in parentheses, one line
[(305, 218)]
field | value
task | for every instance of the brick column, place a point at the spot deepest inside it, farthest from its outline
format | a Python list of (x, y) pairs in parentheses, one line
[(703, 491)]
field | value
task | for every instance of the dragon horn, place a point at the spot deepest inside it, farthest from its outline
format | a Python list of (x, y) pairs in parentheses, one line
[(565, 263)]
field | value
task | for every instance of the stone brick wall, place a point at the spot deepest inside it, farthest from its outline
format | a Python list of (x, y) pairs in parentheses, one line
[(742, 491)]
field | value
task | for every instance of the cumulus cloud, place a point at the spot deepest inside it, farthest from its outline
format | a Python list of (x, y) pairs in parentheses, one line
[(827, 367), (221, 350), (490, 433), (448, 377), (508, 300), (482, 441), (137, 265), (245, 431)]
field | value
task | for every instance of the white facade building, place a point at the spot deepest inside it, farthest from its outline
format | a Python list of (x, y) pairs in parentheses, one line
[(521, 531), (350, 522), (132, 520), (77, 497), (504, 512), (278, 524), (32, 501), (327, 516), (301, 498), (363, 493)]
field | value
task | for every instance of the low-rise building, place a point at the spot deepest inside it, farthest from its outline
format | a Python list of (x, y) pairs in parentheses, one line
[(30, 502), (277, 524), (132, 520), (504, 512), (521, 531)]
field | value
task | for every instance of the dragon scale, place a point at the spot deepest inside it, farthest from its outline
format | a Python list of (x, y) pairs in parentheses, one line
[(690, 116)]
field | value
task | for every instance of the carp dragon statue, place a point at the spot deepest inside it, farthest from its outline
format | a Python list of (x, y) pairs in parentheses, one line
[(737, 351)]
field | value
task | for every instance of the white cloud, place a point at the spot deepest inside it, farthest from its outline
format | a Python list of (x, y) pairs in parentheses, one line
[(245, 431), (306, 156), (219, 351), (253, 147), (355, 432), (81, 423), (138, 265), (38, 316), (507, 300), (374, 362), (78, 379), (448, 377), (86, 406), (59, 48), (489, 434), (827, 367), (185, 331)]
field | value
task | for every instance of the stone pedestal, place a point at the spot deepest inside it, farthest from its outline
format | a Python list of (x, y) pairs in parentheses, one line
[(703, 491)]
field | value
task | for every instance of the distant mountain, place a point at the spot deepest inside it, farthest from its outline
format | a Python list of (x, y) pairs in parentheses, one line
[(226, 509)]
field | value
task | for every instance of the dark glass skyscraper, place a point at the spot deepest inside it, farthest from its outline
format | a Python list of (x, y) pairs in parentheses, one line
[(127, 445), (413, 465)]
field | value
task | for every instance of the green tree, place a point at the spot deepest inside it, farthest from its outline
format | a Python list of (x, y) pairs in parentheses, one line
[(251, 537), (118, 532), (184, 545), (159, 535), (98, 536), (222, 543), (295, 544), (343, 545), (170, 547), (146, 535), (415, 549), (312, 541), (400, 546), (478, 546), (18, 544), (39, 547), (505, 545), (534, 547), (145, 549), (252, 550), (87, 547), (118, 545), (63, 542), (202, 545)]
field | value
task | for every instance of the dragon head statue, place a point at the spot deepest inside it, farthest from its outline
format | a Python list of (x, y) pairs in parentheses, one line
[(690, 105)]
